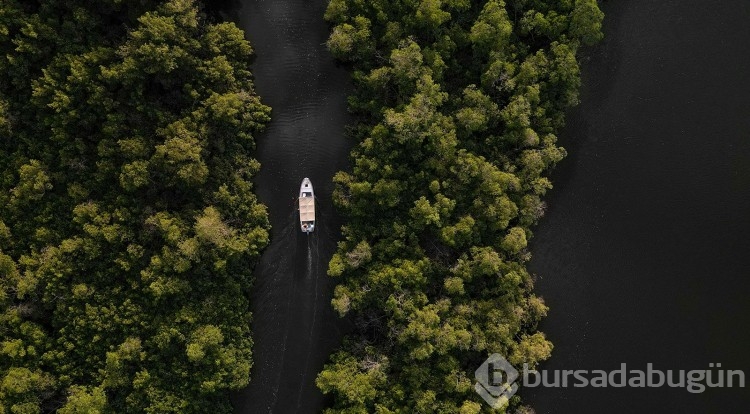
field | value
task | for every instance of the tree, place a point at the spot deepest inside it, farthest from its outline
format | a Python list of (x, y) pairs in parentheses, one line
[(357, 381), (492, 31), (84, 401), (586, 21), (33, 182), (351, 41)]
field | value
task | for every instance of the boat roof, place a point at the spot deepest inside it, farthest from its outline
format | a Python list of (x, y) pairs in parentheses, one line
[(307, 208)]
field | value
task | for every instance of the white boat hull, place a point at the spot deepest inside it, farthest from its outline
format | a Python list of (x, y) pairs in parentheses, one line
[(306, 206)]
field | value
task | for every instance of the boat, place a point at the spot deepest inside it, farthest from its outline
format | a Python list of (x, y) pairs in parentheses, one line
[(306, 206)]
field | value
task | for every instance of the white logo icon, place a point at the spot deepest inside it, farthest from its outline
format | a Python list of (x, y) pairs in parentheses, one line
[(496, 381)]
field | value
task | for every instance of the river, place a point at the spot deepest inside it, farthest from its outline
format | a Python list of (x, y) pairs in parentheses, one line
[(294, 327), (643, 255)]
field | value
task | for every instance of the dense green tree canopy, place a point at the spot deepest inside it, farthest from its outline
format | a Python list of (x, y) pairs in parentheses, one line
[(457, 107), (128, 227)]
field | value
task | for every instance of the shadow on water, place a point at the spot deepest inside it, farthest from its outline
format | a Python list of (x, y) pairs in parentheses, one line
[(294, 326)]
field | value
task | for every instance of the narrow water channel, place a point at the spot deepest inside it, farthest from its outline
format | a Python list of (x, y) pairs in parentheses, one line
[(643, 255), (294, 326)]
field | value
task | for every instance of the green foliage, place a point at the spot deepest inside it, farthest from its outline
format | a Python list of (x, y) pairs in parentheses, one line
[(492, 30), (83, 401), (358, 380), (351, 40), (586, 21), (32, 183), (457, 106), (128, 226)]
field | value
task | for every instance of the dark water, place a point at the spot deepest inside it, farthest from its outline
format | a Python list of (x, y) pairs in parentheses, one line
[(294, 327), (644, 253)]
